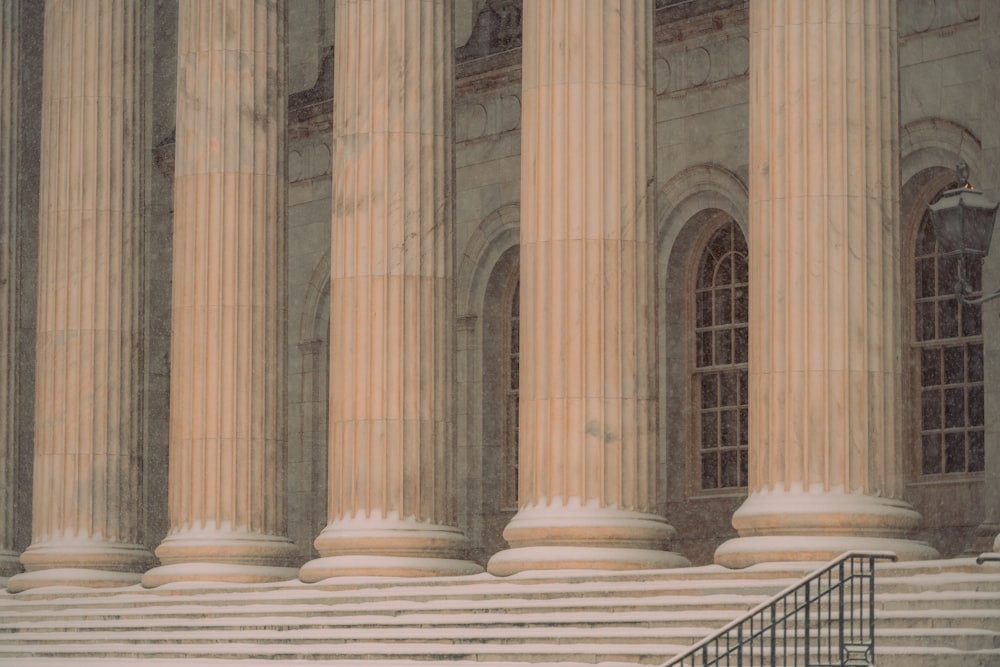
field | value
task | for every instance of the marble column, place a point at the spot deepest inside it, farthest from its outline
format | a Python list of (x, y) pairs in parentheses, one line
[(587, 450), (227, 372), (825, 362), (86, 501), (392, 507), (10, 133)]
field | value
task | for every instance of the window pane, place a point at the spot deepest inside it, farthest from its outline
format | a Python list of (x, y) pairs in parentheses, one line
[(730, 469), (740, 273), (741, 305), (954, 364), (947, 319), (930, 367), (705, 349), (977, 452), (925, 237), (709, 430), (740, 345), (704, 307), (744, 386), (954, 408), (976, 405), (931, 453), (744, 428), (975, 356), (709, 390), (954, 452), (930, 409), (723, 306), (972, 320), (723, 347), (947, 275), (729, 389), (730, 428), (925, 321), (925, 277), (724, 271), (744, 474), (709, 471)]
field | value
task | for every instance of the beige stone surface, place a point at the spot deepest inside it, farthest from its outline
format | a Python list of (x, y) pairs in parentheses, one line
[(825, 375), (392, 402), (9, 196), (85, 520), (587, 461), (227, 413)]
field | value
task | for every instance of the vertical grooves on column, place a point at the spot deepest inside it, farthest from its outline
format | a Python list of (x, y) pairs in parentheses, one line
[(586, 394), (90, 278), (820, 213), (10, 130), (227, 382), (391, 403)]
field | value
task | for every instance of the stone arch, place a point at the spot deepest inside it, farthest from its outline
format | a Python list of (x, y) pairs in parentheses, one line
[(691, 206), (935, 142), (488, 257)]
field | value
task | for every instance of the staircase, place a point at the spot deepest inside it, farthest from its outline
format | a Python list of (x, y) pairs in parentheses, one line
[(928, 614)]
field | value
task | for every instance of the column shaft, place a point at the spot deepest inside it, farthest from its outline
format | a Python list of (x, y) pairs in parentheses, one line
[(825, 369), (85, 524), (10, 133), (588, 395), (392, 401), (228, 380)]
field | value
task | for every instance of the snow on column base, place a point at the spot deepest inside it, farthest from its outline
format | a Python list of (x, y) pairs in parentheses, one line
[(227, 573), (388, 546), (223, 556), (521, 559), (385, 566), (746, 551), (71, 576)]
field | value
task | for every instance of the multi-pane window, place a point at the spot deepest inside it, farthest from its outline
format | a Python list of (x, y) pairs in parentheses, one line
[(720, 378), (508, 484), (948, 338)]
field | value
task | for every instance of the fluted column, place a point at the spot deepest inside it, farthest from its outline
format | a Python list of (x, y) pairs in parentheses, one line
[(825, 363), (392, 397), (85, 524), (228, 381), (587, 436), (10, 133)]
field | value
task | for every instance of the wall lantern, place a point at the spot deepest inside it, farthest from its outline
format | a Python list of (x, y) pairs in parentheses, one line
[(963, 223)]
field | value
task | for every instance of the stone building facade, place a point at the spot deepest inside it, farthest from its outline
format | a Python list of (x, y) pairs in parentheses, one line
[(304, 288)]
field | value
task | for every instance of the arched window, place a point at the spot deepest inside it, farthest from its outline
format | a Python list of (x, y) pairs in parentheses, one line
[(511, 380), (948, 342), (720, 376)]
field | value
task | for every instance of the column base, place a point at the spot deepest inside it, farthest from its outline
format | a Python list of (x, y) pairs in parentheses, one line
[(388, 546), (385, 566), (575, 536), (71, 576), (223, 556), (783, 526), (86, 555)]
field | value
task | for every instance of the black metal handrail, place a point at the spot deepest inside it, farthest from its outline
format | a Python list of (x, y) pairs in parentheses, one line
[(826, 619)]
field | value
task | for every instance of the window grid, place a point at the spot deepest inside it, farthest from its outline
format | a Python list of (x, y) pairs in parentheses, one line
[(509, 467), (948, 339), (720, 379)]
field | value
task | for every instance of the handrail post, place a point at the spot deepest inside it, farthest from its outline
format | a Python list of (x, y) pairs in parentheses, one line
[(840, 611), (774, 639), (808, 632)]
